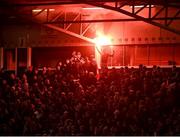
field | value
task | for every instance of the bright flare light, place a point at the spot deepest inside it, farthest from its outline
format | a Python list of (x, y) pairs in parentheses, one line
[(102, 41)]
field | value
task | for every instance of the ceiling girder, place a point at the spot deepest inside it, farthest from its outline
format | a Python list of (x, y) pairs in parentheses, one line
[(66, 26), (6, 3), (69, 33), (77, 16), (104, 20), (147, 20), (118, 8), (136, 12), (57, 16), (57, 28), (157, 13), (177, 13)]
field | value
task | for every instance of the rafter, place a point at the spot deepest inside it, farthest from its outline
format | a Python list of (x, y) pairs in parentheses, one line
[(173, 3), (77, 16), (106, 20), (147, 20), (157, 13), (38, 13), (86, 29), (136, 12), (57, 16), (69, 33), (173, 17)]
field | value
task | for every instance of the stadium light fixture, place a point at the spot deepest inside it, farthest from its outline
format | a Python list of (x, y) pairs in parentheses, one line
[(140, 6), (39, 10)]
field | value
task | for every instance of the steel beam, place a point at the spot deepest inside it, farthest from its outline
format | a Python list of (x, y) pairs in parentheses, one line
[(136, 12), (69, 33), (86, 29), (65, 2), (57, 16), (59, 29), (149, 21), (73, 20), (81, 25), (38, 13), (173, 18), (106, 20), (166, 15), (149, 10), (92, 21), (157, 13), (122, 5)]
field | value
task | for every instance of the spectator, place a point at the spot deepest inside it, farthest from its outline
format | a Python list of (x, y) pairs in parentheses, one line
[(71, 101)]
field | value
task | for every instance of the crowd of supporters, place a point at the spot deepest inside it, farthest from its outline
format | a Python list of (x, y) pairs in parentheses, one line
[(72, 101)]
